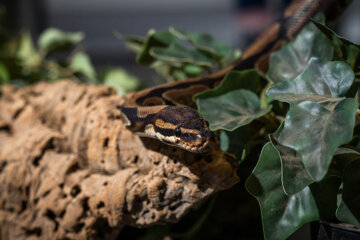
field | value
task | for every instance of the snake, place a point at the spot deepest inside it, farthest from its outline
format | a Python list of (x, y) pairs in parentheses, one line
[(167, 112)]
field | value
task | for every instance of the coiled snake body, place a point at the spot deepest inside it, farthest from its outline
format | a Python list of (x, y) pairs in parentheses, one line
[(166, 112)]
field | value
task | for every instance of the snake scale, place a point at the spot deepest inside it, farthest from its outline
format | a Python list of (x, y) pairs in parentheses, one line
[(166, 112)]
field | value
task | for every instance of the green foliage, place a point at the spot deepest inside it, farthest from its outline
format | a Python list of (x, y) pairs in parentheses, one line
[(322, 82), (120, 80), (231, 110), (53, 40), (344, 49), (231, 105), (177, 54), (349, 208), (291, 59), (205, 43), (298, 175), (4, 74), (315, 132), (80, 63), (23, 63), (281, 213)]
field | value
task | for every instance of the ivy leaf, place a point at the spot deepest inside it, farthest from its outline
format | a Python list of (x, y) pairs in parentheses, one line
[(81, 63), (121, 81), (228, 106), (343, 150), (248, 79), (53, 39), (26, 51), (319, 82), (294, 175), (237, 142), (231, 110), (176, 53), (193, 70), (315, 132), (204, 42), (134, 43), (4, 74), (342, 157), (155, 39), (236, 54), (283, 214), (349, 208), (344, 49), (291, 59), (29, 59)]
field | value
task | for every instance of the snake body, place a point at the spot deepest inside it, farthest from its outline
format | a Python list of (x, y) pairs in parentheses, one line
[(166, 112)]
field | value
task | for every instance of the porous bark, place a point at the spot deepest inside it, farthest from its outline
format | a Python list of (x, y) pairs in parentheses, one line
[(70, 169)]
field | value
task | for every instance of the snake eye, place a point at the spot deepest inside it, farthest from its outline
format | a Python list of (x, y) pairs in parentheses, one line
[(177, 131)]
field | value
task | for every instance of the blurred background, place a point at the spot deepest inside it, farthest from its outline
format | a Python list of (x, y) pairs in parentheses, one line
[(233, 22)]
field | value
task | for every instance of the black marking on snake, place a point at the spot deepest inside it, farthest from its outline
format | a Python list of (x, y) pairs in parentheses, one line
[(164, 131), (132, 114)]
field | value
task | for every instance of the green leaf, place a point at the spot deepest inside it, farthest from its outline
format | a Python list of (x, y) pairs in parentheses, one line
[(226, 61), (282, 214), (81, 63), (228, 106), (26, 50), (53, 39), (4, 74), (248, 79), (342, 157), (193, 70), (121, 81), (231, 110), (204, 42), (134, 43), (344, 49), (319, 82), (176, 53), (178, 74), (291, 59), (155, 39), (315, 132), (236, 142), (294, 175), (343, 150), (349, 208)]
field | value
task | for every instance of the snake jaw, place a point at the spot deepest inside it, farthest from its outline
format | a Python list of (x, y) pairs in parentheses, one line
[(201, 145)]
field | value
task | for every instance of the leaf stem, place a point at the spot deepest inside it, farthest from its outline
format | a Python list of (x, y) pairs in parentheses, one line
[(263, 94)]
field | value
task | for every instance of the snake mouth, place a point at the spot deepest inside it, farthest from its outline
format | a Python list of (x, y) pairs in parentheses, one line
[(196, 149), (191, 148)]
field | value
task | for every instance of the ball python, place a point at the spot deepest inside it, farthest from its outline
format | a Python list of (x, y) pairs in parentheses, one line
[(166, 112)]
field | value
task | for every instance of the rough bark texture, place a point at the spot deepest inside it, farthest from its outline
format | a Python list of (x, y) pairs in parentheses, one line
[(70, 169)]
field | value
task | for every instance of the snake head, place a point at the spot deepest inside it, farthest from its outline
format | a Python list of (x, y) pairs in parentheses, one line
[(183, 127)]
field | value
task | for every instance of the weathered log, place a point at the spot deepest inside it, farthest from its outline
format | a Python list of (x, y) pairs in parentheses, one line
[(70, 169)]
